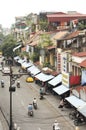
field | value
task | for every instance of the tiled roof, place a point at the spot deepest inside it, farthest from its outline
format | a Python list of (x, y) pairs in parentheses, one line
[(51, 47), (33, 43), (80, 54), (66, 15), (83, 63), (60, 35), (72, 35)]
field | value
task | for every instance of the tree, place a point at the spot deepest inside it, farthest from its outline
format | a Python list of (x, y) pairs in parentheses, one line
[(45, 41), (7, 47), (43, 23), (1, 40)]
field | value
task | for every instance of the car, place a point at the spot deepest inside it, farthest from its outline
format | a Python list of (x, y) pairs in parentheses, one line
[(29, 79), (6, 70)]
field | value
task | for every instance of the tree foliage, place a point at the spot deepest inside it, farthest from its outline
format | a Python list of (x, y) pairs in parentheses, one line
[(7, 47), (45, 41), (43, 25), (43, 21)]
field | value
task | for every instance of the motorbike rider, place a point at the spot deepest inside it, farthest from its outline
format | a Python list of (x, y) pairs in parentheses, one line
[(18, 84), (15, 126), (41, 93), (56, 125), (30, 107), (2, 83), (35, 102)]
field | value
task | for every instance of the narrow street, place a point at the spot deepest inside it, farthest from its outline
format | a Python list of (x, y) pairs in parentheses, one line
[(44, 116)]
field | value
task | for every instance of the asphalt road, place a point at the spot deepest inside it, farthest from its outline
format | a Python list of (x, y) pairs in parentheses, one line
[(43, 117)]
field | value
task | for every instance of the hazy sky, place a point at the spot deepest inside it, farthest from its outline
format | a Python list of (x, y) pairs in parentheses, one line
[(9, 9)]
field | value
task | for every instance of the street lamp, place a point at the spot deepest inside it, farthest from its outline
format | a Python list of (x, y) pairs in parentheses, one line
[(11, 89)]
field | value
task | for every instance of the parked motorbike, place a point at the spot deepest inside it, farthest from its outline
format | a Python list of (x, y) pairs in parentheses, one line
[(73, 114), (35, 105), (79, 121)]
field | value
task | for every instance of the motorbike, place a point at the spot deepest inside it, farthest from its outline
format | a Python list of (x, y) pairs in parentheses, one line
[(73, 114), (41, 96), (2, 85), (18, 84), (30, 112), (79, 121), (58, 128), (35, 105)]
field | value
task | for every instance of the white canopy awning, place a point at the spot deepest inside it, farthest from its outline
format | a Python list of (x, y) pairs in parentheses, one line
[(61, 89), (33, 70), (75, 101), (16, 58), (82, 110), (26, 64), (44, 77), (17, 48), (21, 61), (56, 80)]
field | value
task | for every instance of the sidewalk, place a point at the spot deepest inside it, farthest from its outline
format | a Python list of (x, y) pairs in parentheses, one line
[(54, 101)]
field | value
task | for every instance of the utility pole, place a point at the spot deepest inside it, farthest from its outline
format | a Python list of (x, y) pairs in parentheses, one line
[(11, 89)]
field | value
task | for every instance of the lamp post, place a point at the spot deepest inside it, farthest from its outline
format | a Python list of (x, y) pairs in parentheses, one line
[(11, 89)]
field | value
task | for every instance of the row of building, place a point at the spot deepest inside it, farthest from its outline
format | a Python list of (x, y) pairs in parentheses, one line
[(65, 58)]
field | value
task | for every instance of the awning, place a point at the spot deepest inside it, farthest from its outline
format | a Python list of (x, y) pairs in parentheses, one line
[(17, 48), (16, 58), (61, 89), (26, 64), (44, 77), (33, 70), (75, 101), (56, 80), (20, 61), (82, 110)]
